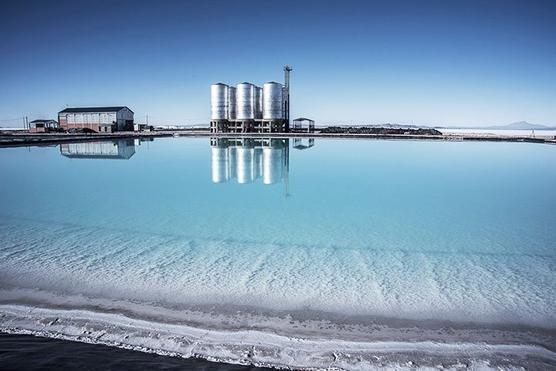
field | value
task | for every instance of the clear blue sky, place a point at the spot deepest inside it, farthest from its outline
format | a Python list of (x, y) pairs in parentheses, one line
[(437, 62)]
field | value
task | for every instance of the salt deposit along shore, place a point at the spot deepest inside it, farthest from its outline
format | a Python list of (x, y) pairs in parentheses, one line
[(291, 342)]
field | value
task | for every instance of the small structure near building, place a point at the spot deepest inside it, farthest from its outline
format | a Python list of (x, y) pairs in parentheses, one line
[(97, 119), (43, 126), (142, 127), (303, 125)]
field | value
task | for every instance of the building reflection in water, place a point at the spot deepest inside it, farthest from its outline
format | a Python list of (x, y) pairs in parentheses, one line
[(121, 149), (248, 159), (303, 143)]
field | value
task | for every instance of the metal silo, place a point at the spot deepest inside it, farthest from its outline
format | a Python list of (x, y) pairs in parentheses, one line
[(219, 101), (220, 164), (231, 103), (258, 102), (245, 101), (273, 101)]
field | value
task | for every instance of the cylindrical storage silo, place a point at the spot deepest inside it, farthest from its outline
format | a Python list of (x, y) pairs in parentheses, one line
[(245, 101), (245, 166), (231, 103), (220, 164), (272, 164), (273, 101), (258, 102), (219, 101)]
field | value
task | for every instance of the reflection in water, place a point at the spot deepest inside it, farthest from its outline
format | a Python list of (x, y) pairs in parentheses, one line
[(247, 159), (301, 143), (121, 149)]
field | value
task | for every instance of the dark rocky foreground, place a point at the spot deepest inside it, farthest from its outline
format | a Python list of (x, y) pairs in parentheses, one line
[(27, 352)]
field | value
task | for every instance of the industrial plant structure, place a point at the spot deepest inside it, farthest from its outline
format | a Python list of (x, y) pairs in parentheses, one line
[(247, 108), (97, 119), (248, 159)]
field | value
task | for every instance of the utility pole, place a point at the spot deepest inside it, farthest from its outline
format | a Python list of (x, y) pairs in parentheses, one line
[(287, 70)]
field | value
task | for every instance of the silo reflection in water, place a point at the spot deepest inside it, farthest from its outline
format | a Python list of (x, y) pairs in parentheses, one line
[(258, 162), (248, 159), (272, 164), (232, 150), (220, 164), (245, 164)]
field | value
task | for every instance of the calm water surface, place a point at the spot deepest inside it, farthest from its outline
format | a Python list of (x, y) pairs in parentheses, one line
[(408, 230)]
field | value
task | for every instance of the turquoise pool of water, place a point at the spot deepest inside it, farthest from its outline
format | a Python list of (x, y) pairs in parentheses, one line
[(233, 249), (409, 229)]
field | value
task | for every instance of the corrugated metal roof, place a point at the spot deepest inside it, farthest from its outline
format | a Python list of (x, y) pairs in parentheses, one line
[(42, 120), (93, 109)]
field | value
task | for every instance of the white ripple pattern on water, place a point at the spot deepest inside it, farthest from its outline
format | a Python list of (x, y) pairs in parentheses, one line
[(175, 269)]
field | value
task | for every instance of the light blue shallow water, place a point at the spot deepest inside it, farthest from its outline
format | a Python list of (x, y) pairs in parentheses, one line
[(405, 229)]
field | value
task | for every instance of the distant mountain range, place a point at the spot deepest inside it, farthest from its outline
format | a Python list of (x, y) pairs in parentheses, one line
[(520, 125)]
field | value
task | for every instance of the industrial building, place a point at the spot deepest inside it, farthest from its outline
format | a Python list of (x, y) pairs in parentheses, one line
[(43, 126), (247, 108), (121, 149), (249, 159), (97, 119)]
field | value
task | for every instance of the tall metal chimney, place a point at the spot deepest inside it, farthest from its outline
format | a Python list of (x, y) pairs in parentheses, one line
[(287, 70)]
